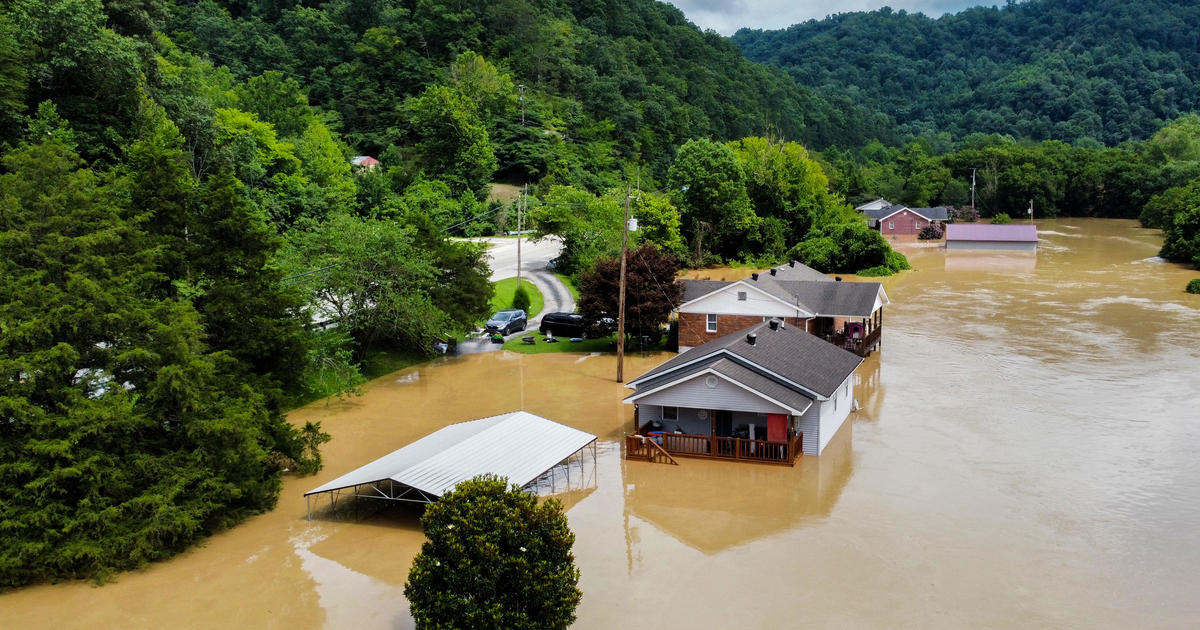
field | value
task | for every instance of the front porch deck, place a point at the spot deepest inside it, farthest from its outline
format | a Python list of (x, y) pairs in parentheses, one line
[(713, 447)]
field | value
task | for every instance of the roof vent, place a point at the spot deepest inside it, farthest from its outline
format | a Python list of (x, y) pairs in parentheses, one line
[(837, 278), (792, 263), (774, 324), (741, 296), (773, 270), (754, 277), (750, 338)]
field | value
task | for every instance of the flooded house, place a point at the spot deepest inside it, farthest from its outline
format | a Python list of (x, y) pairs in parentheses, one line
[(847, 314), (899, 220), (1016, 237), (768, 393)]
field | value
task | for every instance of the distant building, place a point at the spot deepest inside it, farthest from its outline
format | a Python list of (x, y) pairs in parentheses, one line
[(902, 220), (878, 204), (1022, 237), (364, 162)]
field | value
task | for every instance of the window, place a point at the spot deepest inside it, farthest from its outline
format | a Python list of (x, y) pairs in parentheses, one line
[(891, 225), (670, 413), (917, 224), (711, 325)]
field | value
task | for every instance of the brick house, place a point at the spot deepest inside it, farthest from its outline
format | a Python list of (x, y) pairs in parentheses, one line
[(897, 220), (849, 314)]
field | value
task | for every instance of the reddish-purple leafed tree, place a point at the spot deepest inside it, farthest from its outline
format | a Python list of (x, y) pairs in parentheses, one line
[(651, 292)]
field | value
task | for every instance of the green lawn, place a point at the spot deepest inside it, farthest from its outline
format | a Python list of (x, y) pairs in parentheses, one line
[(507, 288), (603, 344)]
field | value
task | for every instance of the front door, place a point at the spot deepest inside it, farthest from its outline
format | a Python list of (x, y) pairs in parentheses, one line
[(724, 423), (776, 427)]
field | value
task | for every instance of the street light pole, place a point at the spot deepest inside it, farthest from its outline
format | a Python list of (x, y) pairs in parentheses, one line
[(621, 293)]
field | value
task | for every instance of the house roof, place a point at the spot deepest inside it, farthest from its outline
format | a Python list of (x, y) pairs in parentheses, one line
[(938, 213), (364, 160), (830, 299), (883, 203), (804, 287), (788, 356), (518, 446), (986, 232), (774, 390), (693, 289)]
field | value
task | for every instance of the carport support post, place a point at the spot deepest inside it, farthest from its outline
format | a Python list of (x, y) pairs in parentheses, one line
[(621, 296)]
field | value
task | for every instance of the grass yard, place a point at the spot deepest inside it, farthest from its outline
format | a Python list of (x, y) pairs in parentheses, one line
[(507, 288), (603, 344)]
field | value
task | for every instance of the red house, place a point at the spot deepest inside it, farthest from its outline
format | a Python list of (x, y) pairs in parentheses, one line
[(902, 220)]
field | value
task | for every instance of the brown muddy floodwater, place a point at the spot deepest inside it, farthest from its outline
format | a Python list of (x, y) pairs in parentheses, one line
[(1027, 455)]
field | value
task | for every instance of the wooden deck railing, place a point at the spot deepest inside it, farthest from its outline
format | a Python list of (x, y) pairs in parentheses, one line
[(862, 346), (643, 448), (707, 446)]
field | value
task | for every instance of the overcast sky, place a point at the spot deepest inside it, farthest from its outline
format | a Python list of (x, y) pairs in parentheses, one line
[(727, 16)]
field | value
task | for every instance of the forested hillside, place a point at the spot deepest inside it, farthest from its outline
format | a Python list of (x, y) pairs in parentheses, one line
[(1070, 70), (610, 79)]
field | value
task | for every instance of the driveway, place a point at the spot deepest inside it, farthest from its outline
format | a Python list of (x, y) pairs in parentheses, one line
[(502, 253)]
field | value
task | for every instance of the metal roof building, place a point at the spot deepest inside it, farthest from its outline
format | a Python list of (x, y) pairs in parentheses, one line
[(518, 446)]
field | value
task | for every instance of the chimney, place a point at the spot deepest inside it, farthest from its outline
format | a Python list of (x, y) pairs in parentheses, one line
[(774, 324), (773, 270), (837, 278), (750, 338), (754, 277), (792, 263)]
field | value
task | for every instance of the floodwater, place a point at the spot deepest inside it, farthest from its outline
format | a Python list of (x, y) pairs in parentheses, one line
[(1027, 455)]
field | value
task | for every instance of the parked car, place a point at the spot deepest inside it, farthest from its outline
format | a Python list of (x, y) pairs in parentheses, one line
[(564, 325), (506, 322)]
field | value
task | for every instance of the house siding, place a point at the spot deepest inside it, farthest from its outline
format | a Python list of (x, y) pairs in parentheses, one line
[(1009, 245), (696, 394), (821, 422)]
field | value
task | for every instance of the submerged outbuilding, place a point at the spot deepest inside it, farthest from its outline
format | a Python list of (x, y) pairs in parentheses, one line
[(1020, 237)]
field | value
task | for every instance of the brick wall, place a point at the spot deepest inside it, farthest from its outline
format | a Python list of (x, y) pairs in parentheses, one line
[(905, 223), (693, 331)]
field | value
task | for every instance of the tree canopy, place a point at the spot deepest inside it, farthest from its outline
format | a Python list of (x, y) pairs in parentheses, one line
[(496, 558)]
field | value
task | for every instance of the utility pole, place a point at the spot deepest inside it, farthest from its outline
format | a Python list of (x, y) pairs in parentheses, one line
[(621, 293), (520, 207), (973, 190), (521, 87)]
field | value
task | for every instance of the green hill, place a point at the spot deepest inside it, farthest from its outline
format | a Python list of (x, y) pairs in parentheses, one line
[(1108, 70), (607, 78)]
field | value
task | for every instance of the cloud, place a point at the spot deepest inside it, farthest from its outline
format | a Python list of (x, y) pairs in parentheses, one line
[(727, 16)]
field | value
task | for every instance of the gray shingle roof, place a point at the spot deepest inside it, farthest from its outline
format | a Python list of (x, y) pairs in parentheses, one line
[(827, 299), (789, 352), (693, 289)]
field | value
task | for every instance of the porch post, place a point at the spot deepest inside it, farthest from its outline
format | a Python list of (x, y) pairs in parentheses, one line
[(712, 435)]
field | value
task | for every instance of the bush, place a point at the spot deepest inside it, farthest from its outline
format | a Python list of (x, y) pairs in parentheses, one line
[(521, 299), (930, 232), (1194, 286), (875, 272), (495, 558), (1001, 219), (896, 261)]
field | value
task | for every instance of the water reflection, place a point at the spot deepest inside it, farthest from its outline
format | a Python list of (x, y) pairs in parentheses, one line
[(713, 505)]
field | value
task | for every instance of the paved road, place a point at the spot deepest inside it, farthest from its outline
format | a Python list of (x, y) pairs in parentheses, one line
[(502, 253)]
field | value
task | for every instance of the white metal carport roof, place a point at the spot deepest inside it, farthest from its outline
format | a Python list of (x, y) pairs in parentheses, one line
[(518, 446)]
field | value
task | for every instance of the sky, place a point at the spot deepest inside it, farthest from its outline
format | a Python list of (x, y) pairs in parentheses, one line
[(727, 16)]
